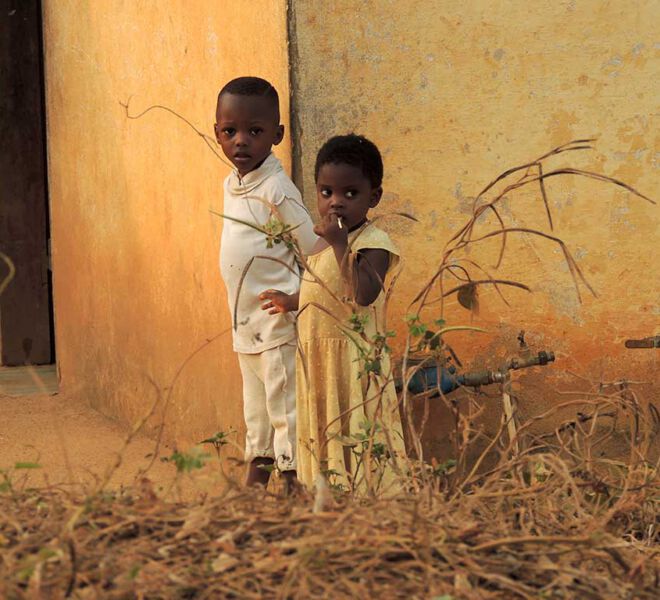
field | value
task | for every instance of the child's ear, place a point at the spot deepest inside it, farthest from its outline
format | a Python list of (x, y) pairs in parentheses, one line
[(217, 132), (279, 135), (376, 195)]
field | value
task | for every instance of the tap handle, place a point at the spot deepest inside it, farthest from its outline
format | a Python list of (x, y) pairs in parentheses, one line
[(649, 342)]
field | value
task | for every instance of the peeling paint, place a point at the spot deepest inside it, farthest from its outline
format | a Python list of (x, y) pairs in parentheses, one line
[(465, 203)]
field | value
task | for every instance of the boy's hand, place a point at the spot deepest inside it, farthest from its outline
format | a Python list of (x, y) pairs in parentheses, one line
[(328, 228), (278, 302)]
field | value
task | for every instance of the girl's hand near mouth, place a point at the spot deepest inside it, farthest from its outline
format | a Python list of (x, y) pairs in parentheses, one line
[(328, 228)]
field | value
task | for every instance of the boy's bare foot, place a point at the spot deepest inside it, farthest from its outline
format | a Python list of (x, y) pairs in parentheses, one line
[(257, 474)]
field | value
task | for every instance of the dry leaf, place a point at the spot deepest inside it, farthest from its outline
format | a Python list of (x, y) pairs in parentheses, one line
[(468, 297), (462, 583), (196, 520), (224, 562)]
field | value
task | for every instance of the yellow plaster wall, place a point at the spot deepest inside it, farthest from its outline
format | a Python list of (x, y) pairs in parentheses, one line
[(454, 93), (136, 282)]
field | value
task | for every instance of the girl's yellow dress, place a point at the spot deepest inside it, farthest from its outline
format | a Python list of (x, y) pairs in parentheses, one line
[(333, 402)]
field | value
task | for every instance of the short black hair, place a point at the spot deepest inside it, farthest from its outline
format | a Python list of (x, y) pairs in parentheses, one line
[(252, 86), (354, 150)]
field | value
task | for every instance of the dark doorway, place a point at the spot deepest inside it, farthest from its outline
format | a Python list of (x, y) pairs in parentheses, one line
[(26, 315)]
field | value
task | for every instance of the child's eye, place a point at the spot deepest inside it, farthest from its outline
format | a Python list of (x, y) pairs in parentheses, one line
[(255, 130), (351, 193), (229, 131), (326, 193)]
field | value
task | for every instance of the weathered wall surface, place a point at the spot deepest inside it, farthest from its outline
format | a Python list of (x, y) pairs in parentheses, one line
[(136, 282), (454, 94)]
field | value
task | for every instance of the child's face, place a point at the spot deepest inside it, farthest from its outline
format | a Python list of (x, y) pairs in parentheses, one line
[(343, 190), (246, 128)]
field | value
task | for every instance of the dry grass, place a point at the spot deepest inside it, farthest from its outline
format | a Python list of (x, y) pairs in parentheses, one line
[(549, 522), (552, 520)]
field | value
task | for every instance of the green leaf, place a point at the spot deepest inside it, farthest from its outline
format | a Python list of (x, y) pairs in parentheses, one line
[(26, 573), (185, 462), (283, 229), (46, 553), (358, 322), (27, 465), (330, 473), (133, 571), (415, 326), (217, 439), (444, 467), (269, 468)]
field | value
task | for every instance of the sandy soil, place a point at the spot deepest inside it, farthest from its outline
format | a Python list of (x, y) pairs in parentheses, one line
[(73, 443)]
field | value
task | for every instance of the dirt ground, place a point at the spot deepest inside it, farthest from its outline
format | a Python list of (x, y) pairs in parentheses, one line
[(72, 443)]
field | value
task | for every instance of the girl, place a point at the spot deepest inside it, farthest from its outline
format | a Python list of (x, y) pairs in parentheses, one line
[(348, 422)]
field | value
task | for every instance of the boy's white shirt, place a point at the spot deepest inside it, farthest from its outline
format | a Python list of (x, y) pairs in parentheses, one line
[(262, 193)]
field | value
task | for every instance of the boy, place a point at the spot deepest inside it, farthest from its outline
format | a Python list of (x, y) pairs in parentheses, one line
[(247, 126)]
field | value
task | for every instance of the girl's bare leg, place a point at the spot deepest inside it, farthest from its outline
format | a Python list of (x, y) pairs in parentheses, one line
[(291, 483)]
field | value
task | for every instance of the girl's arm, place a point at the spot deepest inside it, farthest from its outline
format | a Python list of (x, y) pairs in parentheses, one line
[(369, 268), (279, 302)]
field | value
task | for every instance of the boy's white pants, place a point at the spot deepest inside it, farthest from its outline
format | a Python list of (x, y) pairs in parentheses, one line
[(269, 404)]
